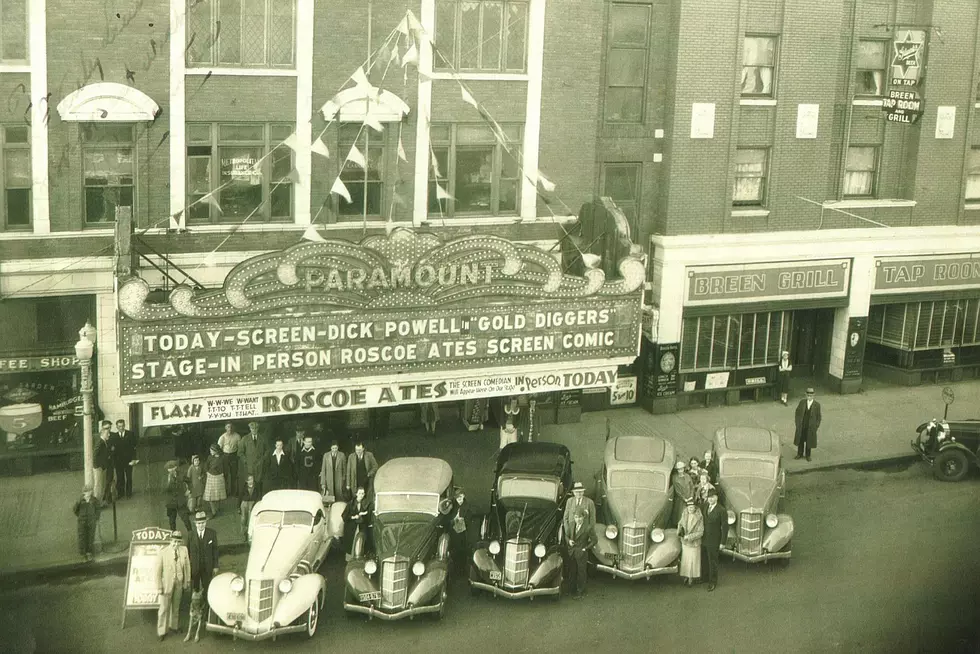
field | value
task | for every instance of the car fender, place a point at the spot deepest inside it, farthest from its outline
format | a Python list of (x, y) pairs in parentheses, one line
[(222, 599), (335, 519), (549, 567), (775, 539), (484, 562), (358, 549), (305, 591), (605, 550), (442, 549), (429, 584), (956, 445), (663, 554), (358, 581)]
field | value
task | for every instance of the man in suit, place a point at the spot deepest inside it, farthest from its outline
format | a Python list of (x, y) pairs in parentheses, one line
[(104, 460), (296, 443), (807, 423), (278, 470), (578, 502), (333, 472), (175, 578), (252, 452), (581, 539), (715, 530), (202, 549), (125, 454), (361, 467)]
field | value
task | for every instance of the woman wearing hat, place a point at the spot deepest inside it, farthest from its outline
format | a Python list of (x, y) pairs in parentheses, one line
[(782, 377), (214, 488), (683, 489), (690, 529)]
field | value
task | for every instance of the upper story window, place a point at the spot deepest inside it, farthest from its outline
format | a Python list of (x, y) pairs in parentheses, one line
[(759, 66), (366, 185), (229, 159), (475, 169), (486, 36), (16, 172), (626, 62), (869, 68), (973, 174), (621, 182), (108, 169), (861, 172), (13, 31), (751, 169), (241, 33)]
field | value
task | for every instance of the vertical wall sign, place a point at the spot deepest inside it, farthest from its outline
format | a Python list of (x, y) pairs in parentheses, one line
[(807, 117), (945, 122), (904, 100), (703, 120), (854, 348)]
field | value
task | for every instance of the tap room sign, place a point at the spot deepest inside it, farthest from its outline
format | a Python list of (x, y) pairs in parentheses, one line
[(927, 273), (400, 304), (767, 282)]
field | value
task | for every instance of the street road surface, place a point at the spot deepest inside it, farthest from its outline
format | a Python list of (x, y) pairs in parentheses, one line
[(884, 561)]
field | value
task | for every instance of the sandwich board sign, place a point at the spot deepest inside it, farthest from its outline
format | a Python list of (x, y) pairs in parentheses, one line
[(143, 582)]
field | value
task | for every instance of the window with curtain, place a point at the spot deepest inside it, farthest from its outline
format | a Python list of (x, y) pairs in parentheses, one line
[(860, 171), (870, 63), (230, 160), (108, 169), (488, 36), (758, 66), (925, 325), (751, 168), (13, 31), (626, 62), (15, 141), (241, 33), (479, 174), (973, 174), (733, 341), (621, 182), (365, 185)]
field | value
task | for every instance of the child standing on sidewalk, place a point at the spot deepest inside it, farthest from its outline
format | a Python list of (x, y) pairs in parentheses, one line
[(87, 511), (195, 484)]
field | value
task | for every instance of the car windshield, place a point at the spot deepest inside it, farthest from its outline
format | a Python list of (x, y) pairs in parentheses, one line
[(748, 468), (407, 503), (542, 489), (284, 518), (649, 479)]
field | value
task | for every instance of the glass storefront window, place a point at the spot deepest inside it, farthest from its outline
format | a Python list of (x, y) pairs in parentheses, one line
[(744, 340), (925, 325)]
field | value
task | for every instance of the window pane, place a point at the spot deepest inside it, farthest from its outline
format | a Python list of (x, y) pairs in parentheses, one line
[(860, 159), (750, 162), (282, 200), (474, 179), (17, 168), (620, 183), (756, 80), (101, 202), (973, 187), (241, 179), (719, 335), (688, 342), (870, 82), (469, 35), (624, 105), (230, 39), (108, 166), (761, 333), (492, 23), (439, 133), (198, 175), (437, 206), (253, 32), (241, 133), (626, 67), (510, 180), (445, 34), (775, 333), (282, 162), (731, 357), (17, 134), (279, 133), (858, 183), (474, 133), (199, 23), (628, 25), (516, 30), (870, 54), (972, 161), (759, 51), (106, 133), (704, 343), (746, 338), (281, 33), (18, 207), (13, 30), (198, 133), (747, 190)]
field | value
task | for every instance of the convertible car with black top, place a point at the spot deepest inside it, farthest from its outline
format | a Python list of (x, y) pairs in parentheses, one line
[(519, 551), (401, 568)]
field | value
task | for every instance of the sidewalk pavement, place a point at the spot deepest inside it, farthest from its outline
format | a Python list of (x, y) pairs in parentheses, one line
[(37, 527)]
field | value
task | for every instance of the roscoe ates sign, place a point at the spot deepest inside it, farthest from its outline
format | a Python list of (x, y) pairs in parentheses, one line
[(400, 304)]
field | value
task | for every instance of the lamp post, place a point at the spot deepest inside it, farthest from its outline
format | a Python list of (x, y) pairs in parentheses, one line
[(84, 349)]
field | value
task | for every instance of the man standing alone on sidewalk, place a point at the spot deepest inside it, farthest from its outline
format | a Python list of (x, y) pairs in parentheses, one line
[(87, 511), (103, 463), (125, 455), (175, 577), (807, 423)]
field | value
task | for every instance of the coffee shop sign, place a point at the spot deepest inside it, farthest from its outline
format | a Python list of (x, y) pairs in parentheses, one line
[(768, 281)]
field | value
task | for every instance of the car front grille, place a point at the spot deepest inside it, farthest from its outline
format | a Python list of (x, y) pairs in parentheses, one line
[(394, 582), (750, 532), (517, 563), (260, 599), (632, 548)]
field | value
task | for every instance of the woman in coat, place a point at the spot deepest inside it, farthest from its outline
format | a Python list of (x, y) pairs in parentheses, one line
[(690, 530), (214, 486), (782, 377)]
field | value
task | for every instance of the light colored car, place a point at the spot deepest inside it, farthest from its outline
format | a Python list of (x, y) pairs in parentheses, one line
[(290, 535), (751, 482), (635, 502), (400, 567)]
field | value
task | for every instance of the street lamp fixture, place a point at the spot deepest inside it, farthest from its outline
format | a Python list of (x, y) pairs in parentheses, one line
[(84, 349)]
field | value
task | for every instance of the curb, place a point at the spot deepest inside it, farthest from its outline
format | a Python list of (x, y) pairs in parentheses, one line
[(867, 463)]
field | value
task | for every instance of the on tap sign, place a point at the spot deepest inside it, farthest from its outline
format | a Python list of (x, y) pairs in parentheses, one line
[(397, 304), (903, 102)]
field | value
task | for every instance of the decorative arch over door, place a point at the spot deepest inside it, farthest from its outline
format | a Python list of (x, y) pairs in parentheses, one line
[(107, 102)]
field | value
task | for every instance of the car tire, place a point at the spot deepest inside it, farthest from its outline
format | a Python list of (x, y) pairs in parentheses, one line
[(313, 617), (951, 465), (443, 599)]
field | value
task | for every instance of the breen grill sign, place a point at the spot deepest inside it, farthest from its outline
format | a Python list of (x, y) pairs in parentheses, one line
[(405, 304), (938, 273), (767, 282)]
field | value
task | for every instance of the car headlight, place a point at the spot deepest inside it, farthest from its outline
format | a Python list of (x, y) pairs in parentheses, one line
[(611, 532), (494, 547), (941, 436), (772, 520), (418, 568), (540, 550), (731, 517), (370, 567), (285, 585), (657, 535), (237, 584)]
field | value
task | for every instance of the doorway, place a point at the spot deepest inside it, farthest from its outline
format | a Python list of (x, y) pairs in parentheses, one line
[(810, 344)]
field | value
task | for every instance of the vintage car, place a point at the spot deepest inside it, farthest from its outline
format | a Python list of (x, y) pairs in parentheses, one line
[(635, 501), (751, 482), (407, 572), (949, 446), (519, 551), (281, 592)]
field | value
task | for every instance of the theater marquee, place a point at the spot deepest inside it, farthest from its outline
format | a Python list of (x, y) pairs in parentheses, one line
[(397, 307)]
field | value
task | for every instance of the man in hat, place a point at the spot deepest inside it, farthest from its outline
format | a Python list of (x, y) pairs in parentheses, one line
[(715, 532), (252, 452), (125, 455), (808, 418), (578, 502), (175, 578), (581, 539), (87, 510), (174, 490), (683, 490), (202, 549), (296, 443), (332, 473), (361, 468), (104, 462)]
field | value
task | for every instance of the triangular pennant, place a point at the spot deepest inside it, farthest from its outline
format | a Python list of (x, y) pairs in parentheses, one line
[(356, 156), (210, 199), (340, 189), (411, 56), (312, 235), (468, 98), (293, 177), (383, 55), (442, 194), (177, 220), (403, 26), (360, 78), (424, 77), (393, 57), (435, 164), (320, 148), (545, 183), (330, 110), (371, 120), (291, 142), (416, 26), (390, 227), (401, 150)]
